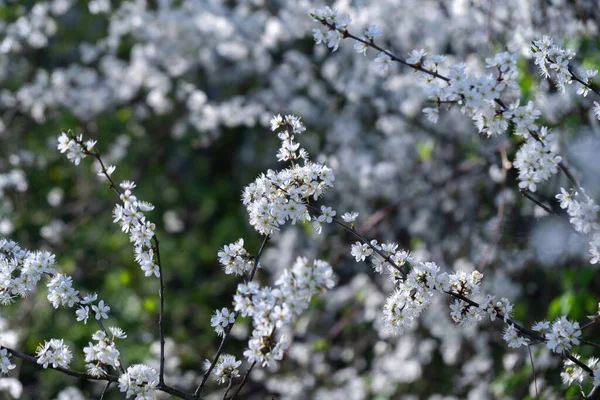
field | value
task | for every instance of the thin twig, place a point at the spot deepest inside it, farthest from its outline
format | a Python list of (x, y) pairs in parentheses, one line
[(161, 315), (537, 396), (228, 389), (537, 202), (82, 375), (105, 390), (244, 381)]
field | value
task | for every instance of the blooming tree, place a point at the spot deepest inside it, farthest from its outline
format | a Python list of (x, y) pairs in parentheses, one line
[(421, 161)]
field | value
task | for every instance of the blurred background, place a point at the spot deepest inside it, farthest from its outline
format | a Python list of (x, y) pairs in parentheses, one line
[(179, 95)]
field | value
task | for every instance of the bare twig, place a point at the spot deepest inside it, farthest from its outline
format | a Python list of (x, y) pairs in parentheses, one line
[(244, 381), (537, 396)]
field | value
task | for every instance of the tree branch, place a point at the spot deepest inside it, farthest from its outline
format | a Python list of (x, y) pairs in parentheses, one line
[(230, 326)]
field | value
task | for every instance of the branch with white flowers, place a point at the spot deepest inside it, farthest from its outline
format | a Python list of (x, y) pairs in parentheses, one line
[(479, 98)]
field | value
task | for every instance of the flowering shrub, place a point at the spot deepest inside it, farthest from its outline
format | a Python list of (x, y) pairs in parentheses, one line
[(457, 293)]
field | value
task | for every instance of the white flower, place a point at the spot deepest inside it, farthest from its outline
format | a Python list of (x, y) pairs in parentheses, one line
[(333, 39), (383, 62), (350, 216), (361, 48), (541, 326), (563, 335), (319, 38), (360, 251), (117, 332), (372, 32), (221, 319), (101, 310), (5, 364), (432, 114), (512, 337), (139, 380), (327, 214), (416, 56), (83, 313), (54, 352), (226, 368)]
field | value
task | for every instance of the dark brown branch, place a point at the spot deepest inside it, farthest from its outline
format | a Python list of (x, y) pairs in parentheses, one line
[(244, 381)]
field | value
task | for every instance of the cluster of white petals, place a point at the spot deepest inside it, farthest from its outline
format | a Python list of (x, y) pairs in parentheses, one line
[(139, 380), (274, 308), (281, 196), (235, 259), (225, 369), (5, 364), (583, 215), (54, 352), (536, 160), (103, 353)]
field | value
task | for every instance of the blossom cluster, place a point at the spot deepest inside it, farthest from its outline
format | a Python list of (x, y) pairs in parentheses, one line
[(583, 215), (103, 353), (235, 259), (131, 217), (550, 57), (6, 364), (139, 380), (54, 352), (536, 161), (281, 196), (21, 270), (479, 97), (74, 147), (226, 369), (274, 308)]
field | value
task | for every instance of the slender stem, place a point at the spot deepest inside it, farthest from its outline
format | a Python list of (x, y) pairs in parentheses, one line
[(105, 390), (228, 389), (592, 322), (82, 375), (536, 201), (537, 396), (230, 326), (161, 323), (106, 377), (244, 381)]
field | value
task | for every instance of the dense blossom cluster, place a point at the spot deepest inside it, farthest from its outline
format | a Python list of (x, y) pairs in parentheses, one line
[(550, 57), (140, 381), (226, 369), (131, 217), (147, 65), (536, 161), (584, 216), (281, 196), (54, 352), (103, 353), (275, 308), (235, 259), (478, 96)]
